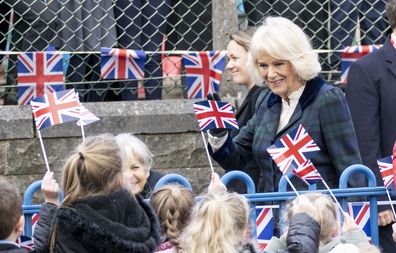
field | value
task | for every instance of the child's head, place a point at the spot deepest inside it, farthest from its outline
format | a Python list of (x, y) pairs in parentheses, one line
[(173, 204), (326, 213), (94, 168), (217, 224), (11, 215)]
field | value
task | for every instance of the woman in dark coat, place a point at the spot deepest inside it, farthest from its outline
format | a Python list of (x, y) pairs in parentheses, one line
[(283, 56), (237, 52)]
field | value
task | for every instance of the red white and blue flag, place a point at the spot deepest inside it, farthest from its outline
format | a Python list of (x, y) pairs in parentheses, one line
[(264, 225), (293, 149), (122, 63), (215, 114), (39, 73), (351, 54), (203, 72), (87, 117), (55, 108), (25, 242), (360, 212), (308, 173), (386, 169)]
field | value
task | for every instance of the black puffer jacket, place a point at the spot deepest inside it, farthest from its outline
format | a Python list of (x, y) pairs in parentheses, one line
[(114, 223)]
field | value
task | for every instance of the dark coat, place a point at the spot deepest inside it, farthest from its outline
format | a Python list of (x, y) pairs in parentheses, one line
[(371, 95), (243, 115), (303, 234), (324, 113), (114, 223)]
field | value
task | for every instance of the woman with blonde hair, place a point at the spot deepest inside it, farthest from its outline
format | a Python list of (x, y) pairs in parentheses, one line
[(97, 213), (282, 55), (237, 65), (173, 204), (218, 224)]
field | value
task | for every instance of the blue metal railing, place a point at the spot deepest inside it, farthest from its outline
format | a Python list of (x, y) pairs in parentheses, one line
[(371, 192)]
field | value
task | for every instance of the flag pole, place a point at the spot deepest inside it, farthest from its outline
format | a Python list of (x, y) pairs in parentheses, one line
[(390, 201), (334, 198), (43, 149), (207, 152), (291, 185), (82, 129)]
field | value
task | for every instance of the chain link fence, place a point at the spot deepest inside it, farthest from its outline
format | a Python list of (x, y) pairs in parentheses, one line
[(81, 27)]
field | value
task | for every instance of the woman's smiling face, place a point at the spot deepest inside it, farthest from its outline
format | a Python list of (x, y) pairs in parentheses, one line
[(279, 75), (137, 174)]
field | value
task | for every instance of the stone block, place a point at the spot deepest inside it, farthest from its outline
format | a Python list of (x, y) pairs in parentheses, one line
[(16, 122)]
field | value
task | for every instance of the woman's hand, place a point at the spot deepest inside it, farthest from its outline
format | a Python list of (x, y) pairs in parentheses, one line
[(50, 188), (216, 185)]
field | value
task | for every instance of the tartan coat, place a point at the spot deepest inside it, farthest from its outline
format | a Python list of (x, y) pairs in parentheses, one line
[(324, 113)]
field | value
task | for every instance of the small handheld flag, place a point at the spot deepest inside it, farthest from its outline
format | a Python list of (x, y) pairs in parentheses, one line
[(264, 225), (203, 72), (293, 149), (87, 117), (308, 173), (215, 114), (386, 169), (39, 73), (55, 108), (122, 63)]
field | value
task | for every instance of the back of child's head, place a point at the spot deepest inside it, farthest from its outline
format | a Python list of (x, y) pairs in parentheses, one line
[(10, 208), (217, 224), (94, 168), (173, 204), (326, 213)]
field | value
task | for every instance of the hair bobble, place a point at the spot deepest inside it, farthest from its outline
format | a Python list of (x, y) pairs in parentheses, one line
[(81, 155)]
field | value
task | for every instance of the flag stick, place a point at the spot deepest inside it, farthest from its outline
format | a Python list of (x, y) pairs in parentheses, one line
[(43, 149), (82, 129), (291, 185), (390, 200), (332, 195), (207, 151)]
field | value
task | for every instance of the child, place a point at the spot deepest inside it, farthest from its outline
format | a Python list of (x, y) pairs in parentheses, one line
[(97, 214), (218, 223), (326, 213), (173, 204), (11, 218)]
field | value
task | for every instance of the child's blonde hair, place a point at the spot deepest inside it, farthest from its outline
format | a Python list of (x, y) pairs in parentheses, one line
[(173, 204), (217, 224), (326, 213)]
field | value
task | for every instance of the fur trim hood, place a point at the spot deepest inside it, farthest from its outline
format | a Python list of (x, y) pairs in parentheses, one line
[(117, 222)]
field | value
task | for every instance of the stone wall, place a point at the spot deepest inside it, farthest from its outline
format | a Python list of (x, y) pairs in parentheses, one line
[(168, 127)]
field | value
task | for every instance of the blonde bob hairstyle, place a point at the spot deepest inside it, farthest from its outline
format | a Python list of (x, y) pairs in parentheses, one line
[(281, 39), (217, 224)]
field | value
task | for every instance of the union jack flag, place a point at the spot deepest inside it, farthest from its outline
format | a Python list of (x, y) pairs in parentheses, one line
[(293, 149), (203, 72), (55, 108), (308, 173), (39, 73), (386, 169), (25, 242), (351, 54), (122, 63), (87, 117), (215, 114), (360, 211), (264, 225)]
